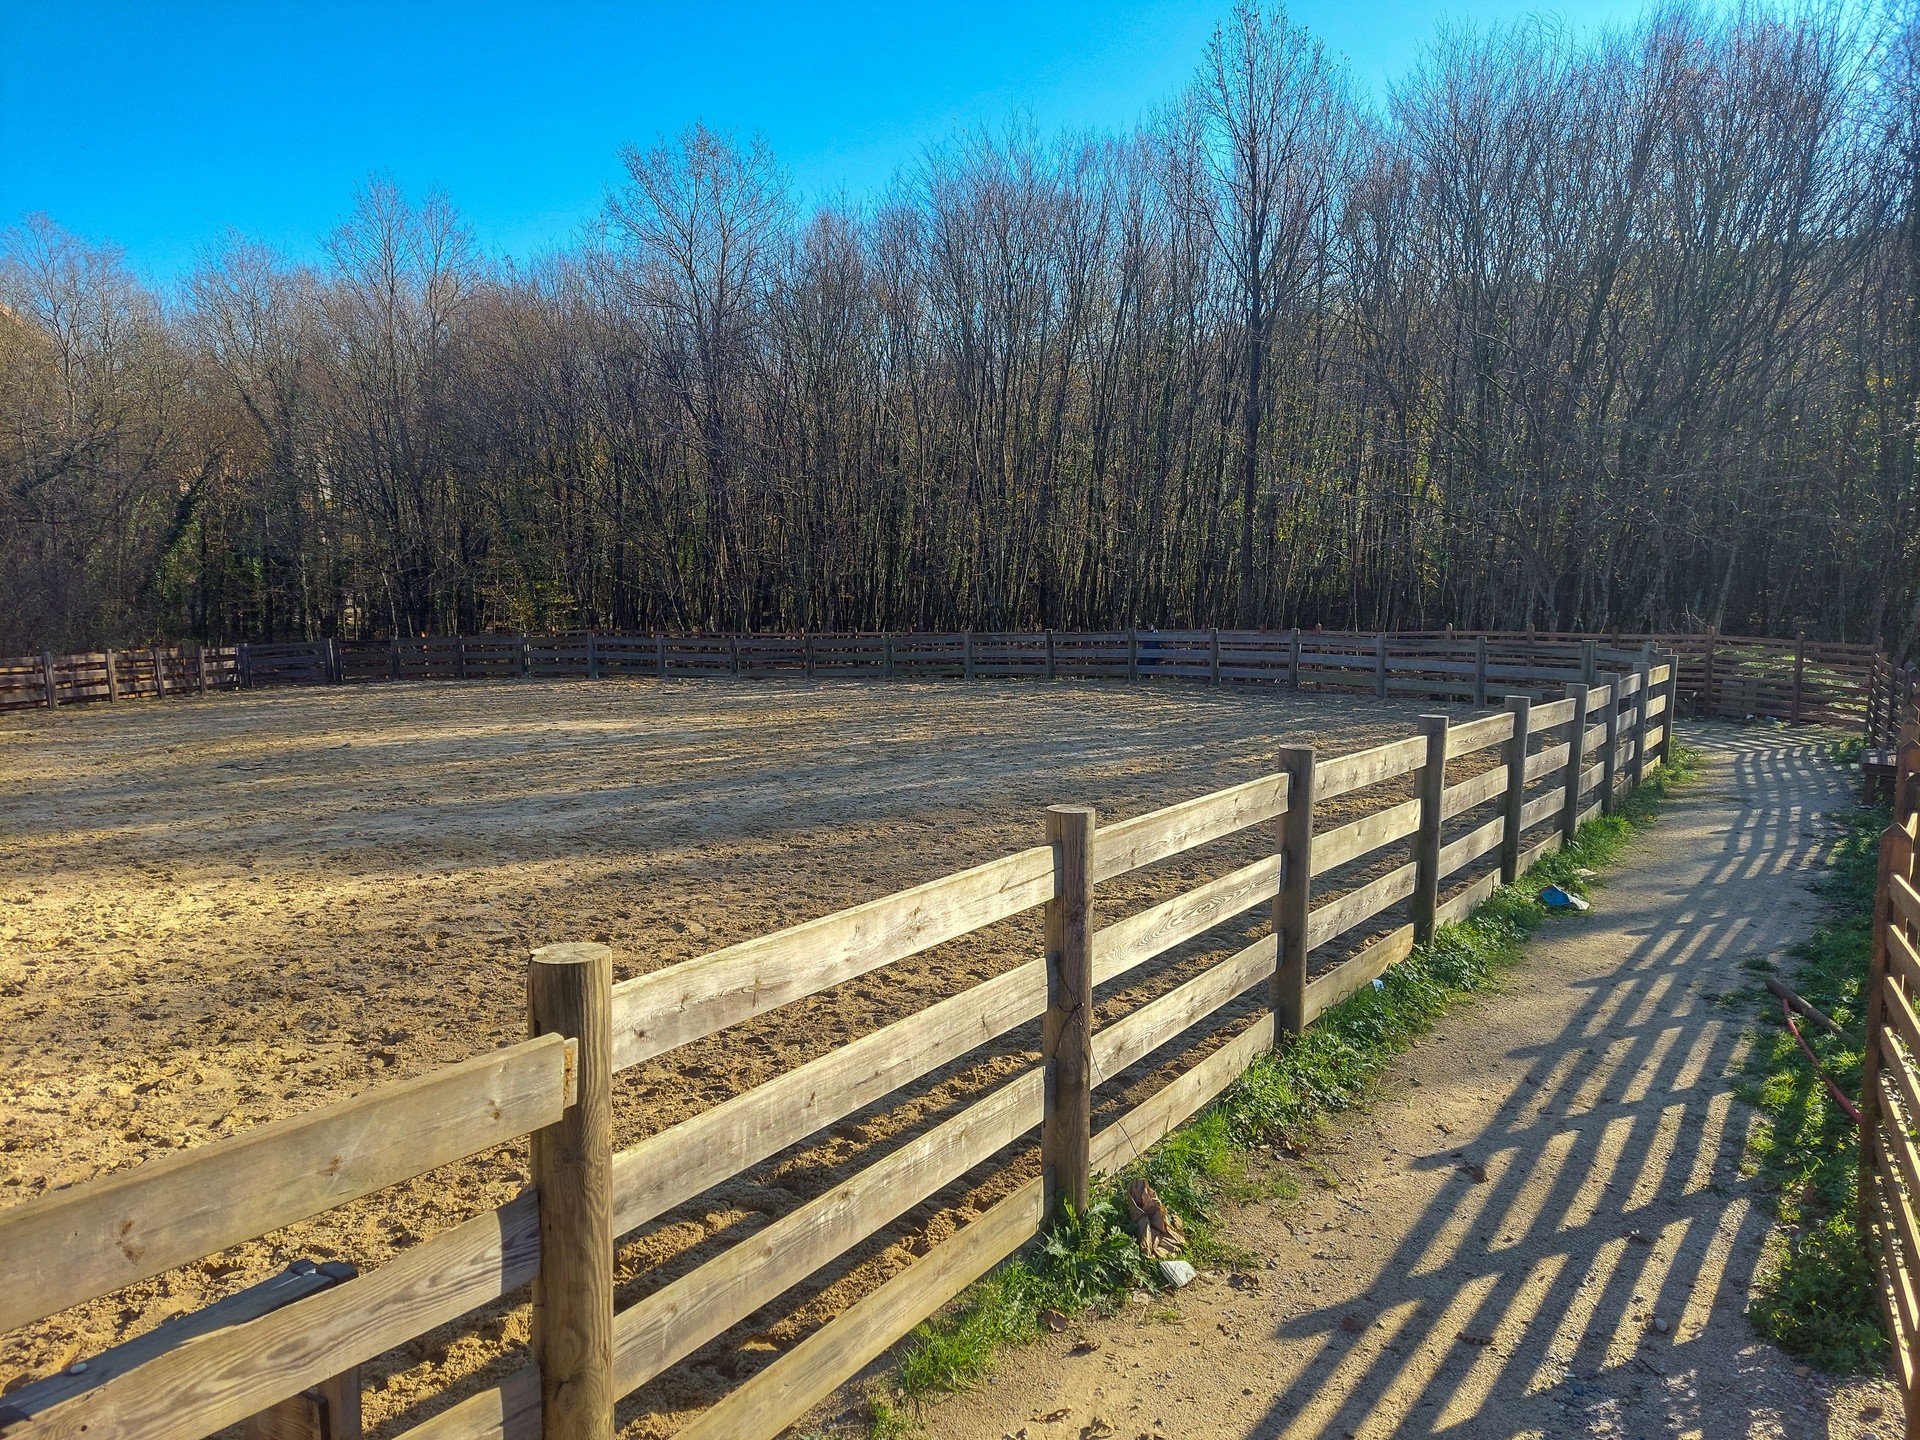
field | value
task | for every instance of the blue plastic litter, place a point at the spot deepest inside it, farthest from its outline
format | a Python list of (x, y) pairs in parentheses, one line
[(1379, 984), (1554, 898)]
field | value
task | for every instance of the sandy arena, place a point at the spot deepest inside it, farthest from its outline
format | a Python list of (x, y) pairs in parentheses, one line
[(222, 910)]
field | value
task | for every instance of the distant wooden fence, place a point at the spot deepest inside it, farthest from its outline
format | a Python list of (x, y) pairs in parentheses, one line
[(1890, 1091), (1792, 680), (1445, 815)]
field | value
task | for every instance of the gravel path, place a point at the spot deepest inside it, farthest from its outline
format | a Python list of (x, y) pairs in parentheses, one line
[(1542, 1229)]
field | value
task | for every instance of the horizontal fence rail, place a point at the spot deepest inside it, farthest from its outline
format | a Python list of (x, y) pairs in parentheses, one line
[(1727, 676), (1417, 832)]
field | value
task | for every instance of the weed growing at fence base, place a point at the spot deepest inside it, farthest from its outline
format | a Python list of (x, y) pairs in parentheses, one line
[(1817, 1302), (1090, 1259)]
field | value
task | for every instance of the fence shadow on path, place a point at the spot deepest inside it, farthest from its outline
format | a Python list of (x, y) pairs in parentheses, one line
[(1611, 1193)]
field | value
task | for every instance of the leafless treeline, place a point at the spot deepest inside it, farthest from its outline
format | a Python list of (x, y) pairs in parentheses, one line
[(1622, 333)]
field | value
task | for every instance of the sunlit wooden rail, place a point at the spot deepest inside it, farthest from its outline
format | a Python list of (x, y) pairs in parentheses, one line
[(1444, 816)]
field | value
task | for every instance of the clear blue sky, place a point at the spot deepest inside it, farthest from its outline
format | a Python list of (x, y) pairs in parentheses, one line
[(159, 125)]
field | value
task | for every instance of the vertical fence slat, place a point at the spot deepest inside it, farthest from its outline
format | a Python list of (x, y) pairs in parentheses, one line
[(1610, 749), (570, 992), (1516, 758), (1576, 761), (1637, 769), (1291, 903), (1066, 1031), (1430, 787)]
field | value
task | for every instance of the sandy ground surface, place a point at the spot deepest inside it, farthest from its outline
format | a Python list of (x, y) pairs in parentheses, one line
[(1543, 1230), (218, 911)]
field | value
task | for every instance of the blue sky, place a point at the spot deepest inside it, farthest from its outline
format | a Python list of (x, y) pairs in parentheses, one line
[(157, 126)]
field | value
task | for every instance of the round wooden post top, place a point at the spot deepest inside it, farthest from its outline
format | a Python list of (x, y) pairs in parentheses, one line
[(572, 952)]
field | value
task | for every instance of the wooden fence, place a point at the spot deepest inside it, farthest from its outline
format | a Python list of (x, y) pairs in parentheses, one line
[(1429, 826), (1728, 676), (1890, 1088)]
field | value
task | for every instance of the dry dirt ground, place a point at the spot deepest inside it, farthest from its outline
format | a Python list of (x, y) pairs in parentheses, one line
[(219, 910), (1543, 1229)]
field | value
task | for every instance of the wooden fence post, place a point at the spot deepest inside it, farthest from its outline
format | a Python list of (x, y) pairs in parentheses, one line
[(1610, 748), (1637, 771), (1066, 1031), (159, 671), (966, 655), (244, 662), (526, 658), (1050, 668), (327, 1411), (1521, 708), (1480, 670), (570, 992), (1430, 786), (806, 648), (593, 655), (200, 668), (1589, 661), (1213, 654), (886, 656), (1380, 666), (660, 657), (1576, 762), (733, 654), (1799, 672), (1290, 904), (1293, 661), (46, 679), (1133, 653)]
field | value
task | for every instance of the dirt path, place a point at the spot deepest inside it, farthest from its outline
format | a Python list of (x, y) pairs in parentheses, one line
[(1593, 1283)]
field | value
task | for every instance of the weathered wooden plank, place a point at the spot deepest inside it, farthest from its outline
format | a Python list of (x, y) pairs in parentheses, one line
[(1345, 773), (1905, 899), (1339, 916), (684, 1314), (1138, 938), (1479, 734), (1487, 785), (1472, 845), (1590, 778), (1129, 1137), (1334, 848), (1895, 1285), (1130, 844), (1460, 906), (658, 1012), (1146, 1029), (222, 1378), (704, 1150), (1327, 990), (818, 1365), (73, 1245), (1545, 717), (507, 1411), (1540, 808), (1548, 761)]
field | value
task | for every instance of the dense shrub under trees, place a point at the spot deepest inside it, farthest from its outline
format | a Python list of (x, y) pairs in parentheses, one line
[(1620, 333)]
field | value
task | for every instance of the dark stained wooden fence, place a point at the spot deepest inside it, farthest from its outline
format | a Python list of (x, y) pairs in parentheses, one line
[(1740, 678)]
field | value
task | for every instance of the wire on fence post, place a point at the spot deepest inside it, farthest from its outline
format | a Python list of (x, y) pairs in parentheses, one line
[(570, 992), (1521, 707), (1430, 787), (1066, 1031), (1290, 902)]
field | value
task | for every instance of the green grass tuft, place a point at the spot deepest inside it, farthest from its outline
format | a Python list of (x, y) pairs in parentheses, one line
[(1090, 1261), (1817, 1300)]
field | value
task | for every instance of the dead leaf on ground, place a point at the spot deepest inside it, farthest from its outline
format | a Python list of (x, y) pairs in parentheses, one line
[(1482, 1340), (1084, 1347), (1098, 1429), (1053, 1320), (1053, 1417), (1476, 1171)]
